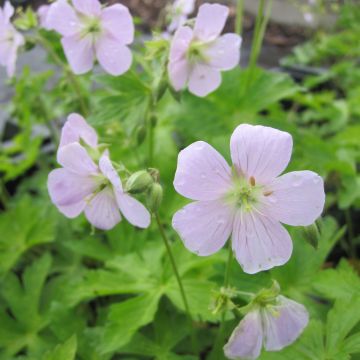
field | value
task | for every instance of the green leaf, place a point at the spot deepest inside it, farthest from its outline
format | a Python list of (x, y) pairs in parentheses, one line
[(34, 225), (64, 351), (125, 318), (342, 318)]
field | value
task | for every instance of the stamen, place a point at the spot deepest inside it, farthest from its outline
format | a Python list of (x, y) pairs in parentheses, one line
[(268, 193), (252, 181)]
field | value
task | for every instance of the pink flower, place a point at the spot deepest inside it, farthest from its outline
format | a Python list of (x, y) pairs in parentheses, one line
[(82, 185), (10, 39), (197, 56), (272, 326), (180, 10), (91, 32), (43, 12), (249, 201)]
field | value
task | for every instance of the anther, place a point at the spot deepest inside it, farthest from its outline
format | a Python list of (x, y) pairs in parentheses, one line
[(268, 193), (252, 181)]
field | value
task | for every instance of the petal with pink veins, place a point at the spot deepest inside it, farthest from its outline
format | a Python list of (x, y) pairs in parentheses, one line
[(102, 210), (73, 157), (224, 53), (79, 52), (296, 198), (179, 73), (114, 57), (74, 210), (133, 210), (246, 340), (63, 18), (202, 173), (210, 21), (88, 7), (118, 22), (180, 43), (259, 242), (283, 323), (204, 226), (77, 128), (203, 80), (109, 171), (66, 188), (260, 152)]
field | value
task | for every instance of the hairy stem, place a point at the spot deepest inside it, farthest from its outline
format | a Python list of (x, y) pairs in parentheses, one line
[(71, 77), (220, 335), (176, 273)]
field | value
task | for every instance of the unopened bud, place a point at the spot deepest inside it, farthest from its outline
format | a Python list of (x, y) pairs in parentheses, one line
[(140, 134), (161, 90), (138, 182), (155, 197), (312, 235)]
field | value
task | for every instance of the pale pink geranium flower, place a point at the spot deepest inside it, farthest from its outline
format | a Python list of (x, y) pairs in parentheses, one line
[(89, 31), (92, 187), (43, 15), (273, 326), (197, 56), (249, 201), (10, 39), (179, 13)]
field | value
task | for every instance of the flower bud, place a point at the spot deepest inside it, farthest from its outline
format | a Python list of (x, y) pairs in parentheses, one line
[(140, 134), (311, 235), (138, 182), (155, 197)]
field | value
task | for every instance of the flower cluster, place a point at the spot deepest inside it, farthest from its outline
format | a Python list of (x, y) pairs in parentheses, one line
[(10, 39), (88, 181)]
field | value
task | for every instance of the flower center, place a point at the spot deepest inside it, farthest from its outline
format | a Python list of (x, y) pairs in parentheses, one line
[(244, 194), (92, 26), (196, 53)]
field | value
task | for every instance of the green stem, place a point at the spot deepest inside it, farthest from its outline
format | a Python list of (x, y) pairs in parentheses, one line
[(176, 273), (4, 195), (220, 335), (239, 16), (259, 32), (150, 133), (350, 232), (71, 77)]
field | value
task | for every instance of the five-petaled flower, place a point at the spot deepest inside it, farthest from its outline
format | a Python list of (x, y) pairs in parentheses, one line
[(197, 56), (273, 326), (88, 31), (83, 185), (179, 12), (10, 39), (249, 201)]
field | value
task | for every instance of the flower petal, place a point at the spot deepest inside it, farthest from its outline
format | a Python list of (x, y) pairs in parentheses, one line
[(118, 22), (283, 324), (88, 7), (260, 152), (133, 210), (73, 157), (77, 128), (202, 173), (63, 18), (297, 198), (246, 340), (224, 54), (66, 188), (259, 242), (102, 210), (179, 74), (180, 43), (204, 226), (79, 53), (108, 170), (210, 21), (8, 11), (203, 80), (74, 210), (114, 57)]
